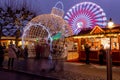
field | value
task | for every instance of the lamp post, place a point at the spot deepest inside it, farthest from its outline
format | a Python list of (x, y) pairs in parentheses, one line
[(109, 55)]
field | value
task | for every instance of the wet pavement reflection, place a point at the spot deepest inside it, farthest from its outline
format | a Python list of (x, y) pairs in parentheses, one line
[(7, 75), (32, 69)]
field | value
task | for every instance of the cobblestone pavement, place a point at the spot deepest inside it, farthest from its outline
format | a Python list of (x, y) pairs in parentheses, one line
[(72, 71)]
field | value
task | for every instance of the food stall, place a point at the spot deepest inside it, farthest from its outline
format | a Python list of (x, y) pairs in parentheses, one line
[(96, 37)]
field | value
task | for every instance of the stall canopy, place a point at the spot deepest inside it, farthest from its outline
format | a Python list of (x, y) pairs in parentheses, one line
[(99, 32)]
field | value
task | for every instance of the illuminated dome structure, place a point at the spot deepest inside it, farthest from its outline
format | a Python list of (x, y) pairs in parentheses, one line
[(52, 22), (45, 27), (85, 15)]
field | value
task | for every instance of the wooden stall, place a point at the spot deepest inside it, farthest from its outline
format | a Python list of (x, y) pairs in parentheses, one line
[(6, 41), (95, 37), (72, 49)]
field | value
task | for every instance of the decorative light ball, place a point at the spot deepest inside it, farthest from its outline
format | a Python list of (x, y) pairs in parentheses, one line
[(43, 28), (52, 23)]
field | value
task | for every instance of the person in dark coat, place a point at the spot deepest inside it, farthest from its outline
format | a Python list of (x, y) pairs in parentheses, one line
[(25, 52), (101, 55), (87, 52), (11, 54), (1, 55), (38, 51)]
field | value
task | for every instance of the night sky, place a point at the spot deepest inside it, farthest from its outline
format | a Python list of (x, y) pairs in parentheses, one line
[(110, 7)]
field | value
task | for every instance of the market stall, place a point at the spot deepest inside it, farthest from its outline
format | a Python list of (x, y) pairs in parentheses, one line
[(96, 37)]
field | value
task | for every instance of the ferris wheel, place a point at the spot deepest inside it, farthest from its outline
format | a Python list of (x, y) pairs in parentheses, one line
[(85, 15)]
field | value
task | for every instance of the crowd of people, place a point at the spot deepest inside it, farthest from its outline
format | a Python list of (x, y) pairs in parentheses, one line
[(42, 50), (56, 56), (13, 52)]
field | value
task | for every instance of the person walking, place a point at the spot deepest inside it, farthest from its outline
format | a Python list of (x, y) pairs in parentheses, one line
[(65, 52), (11, 54), (25, 52), (87, 52), (64, 56), (54, 56), (101, 55), (38, 51), (1, 55)]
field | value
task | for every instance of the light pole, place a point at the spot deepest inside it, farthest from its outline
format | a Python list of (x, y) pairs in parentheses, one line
[(109, 54)]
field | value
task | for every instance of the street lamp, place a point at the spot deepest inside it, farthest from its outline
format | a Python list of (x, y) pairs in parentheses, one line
[(110, 24), (109, 57)]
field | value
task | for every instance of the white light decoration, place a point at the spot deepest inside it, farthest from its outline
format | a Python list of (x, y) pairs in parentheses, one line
[(79, 24), (110, 24), (35, 31), (85, 15), (45, 26), (58, 11)]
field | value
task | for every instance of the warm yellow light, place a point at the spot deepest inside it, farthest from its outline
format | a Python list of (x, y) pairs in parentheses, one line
[(90, 36), (13, 42), (9, 41), (20, 43), (110, 24), (26, 43)]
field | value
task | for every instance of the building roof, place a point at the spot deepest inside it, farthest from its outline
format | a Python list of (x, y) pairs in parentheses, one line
[(98, 30)]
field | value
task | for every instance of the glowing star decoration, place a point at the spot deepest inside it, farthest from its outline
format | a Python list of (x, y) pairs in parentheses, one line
[(85, 15)]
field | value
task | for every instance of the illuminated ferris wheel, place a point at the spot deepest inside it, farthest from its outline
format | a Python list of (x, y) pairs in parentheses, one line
[(85, 15)]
